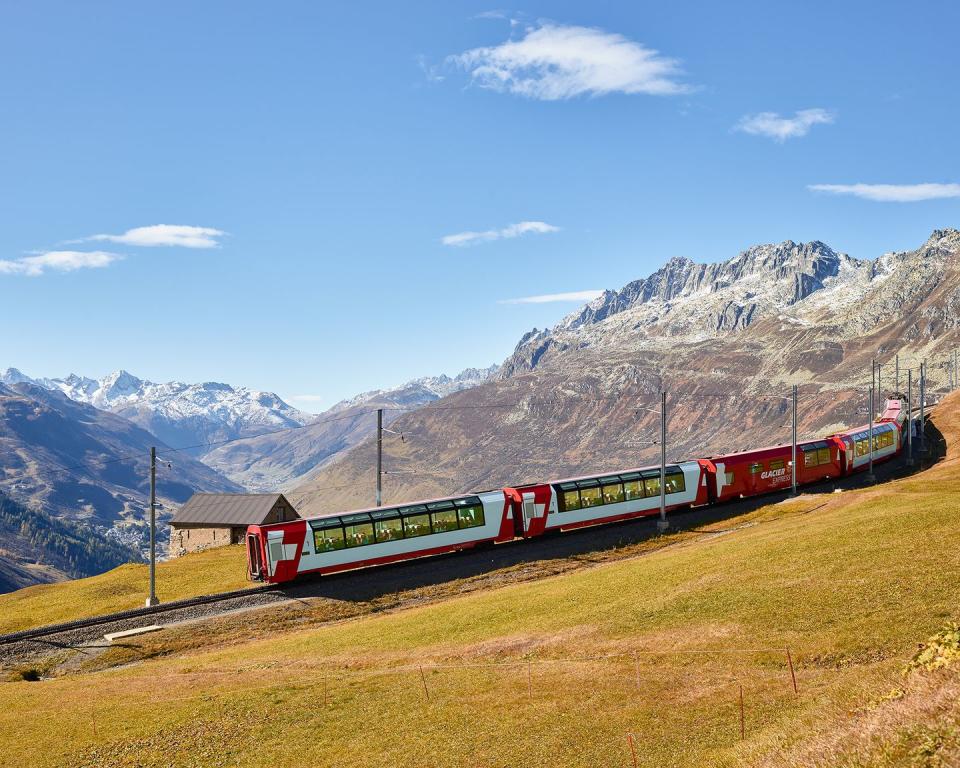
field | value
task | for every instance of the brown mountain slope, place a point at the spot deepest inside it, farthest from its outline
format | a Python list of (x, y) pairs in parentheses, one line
[(573, 399)]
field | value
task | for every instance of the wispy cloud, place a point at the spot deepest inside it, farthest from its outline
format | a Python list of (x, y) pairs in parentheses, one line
[(549, 298), (514, 230), (891, 193), (778, 128), (178, 235), (554, 61), (58, 261)]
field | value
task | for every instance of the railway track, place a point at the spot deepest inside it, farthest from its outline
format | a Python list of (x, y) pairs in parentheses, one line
[(80, 631), (18, 646)]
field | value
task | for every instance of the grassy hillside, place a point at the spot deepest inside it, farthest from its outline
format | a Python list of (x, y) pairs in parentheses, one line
[(123, 588), (559, 671)]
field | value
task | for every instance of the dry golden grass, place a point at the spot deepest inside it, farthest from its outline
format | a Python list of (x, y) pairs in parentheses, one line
[(123, 588), (556, 672)]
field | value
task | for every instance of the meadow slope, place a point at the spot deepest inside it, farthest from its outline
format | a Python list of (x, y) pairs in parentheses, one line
[(558, 671)]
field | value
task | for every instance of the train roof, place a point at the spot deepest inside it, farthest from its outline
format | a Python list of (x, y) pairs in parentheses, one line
[(387, 507), (881, 426), (612, 473), (769, 450)]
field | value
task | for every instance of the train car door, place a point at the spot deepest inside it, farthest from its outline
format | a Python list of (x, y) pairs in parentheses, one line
[(534, 507), (254, 558)]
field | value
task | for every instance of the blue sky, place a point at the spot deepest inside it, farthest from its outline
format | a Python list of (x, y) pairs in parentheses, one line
[(347, 151)]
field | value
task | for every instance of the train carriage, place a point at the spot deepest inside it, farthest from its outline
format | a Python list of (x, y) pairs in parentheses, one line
[(582, 501), (377, 536), (752, 473), (886, 444)]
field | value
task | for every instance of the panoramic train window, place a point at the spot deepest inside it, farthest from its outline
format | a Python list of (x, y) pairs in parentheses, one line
[(471, 516), (387, 526), (756, 468), (728, 478), (444, 516), (593, 492), (778, 464), (823, 455), (612, 492), (632, 486), (416, 525), (590, 497), (328, 537), (358, 530), (652, 485), (674, 483), (570, 496)]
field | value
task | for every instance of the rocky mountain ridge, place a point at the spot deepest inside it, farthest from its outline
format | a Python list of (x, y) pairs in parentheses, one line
[(726, 341), (789, 283)]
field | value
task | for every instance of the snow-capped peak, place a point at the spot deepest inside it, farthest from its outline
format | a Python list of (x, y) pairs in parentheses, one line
[(179, 414)]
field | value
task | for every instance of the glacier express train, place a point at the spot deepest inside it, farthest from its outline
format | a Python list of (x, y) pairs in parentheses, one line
[(330, 543)]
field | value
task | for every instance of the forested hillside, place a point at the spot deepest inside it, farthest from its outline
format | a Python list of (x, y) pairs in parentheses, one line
[(36, 547)]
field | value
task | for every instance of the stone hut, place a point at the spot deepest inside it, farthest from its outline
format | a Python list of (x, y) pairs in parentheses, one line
[(217, 519)]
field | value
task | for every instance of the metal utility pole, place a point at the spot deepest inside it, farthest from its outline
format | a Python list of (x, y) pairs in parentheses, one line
[(662, 523), (896, 376), (793, 452), (910, 418), (379, 456), (152, 599), (923, 395), (870, 476)]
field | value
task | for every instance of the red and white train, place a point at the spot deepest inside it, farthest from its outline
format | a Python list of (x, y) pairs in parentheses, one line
[(332, 543)]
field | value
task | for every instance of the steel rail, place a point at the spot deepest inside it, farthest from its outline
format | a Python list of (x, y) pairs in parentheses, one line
[(109, 618)]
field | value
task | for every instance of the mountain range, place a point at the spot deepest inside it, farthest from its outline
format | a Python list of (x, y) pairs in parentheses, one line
[(76, 450), (726, 340)]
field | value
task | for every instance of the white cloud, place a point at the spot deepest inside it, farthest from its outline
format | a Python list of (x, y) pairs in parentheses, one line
[(891, 193), (167, 234), (59, 261), (578, 296), (771, 125), (508, 232), (554, 61)]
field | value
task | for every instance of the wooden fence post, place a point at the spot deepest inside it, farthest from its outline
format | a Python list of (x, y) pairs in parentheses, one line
[(633, 751), (793, 675), (423, 679)]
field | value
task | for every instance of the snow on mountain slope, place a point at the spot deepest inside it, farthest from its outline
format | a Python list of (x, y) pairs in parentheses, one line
[(422, 390), (269, 462), (178, 414), (247, 427)]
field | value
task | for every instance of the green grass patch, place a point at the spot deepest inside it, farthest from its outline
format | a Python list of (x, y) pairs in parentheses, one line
[(123, 588), (557, 672)]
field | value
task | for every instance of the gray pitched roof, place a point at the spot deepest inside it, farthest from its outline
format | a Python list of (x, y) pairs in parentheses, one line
[(227, 508)]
